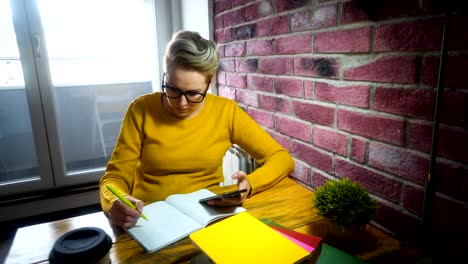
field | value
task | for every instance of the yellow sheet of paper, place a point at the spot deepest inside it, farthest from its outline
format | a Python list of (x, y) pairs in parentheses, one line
[(244, 239)]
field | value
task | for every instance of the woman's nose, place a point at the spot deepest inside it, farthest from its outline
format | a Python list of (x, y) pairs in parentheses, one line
[(182, 100)]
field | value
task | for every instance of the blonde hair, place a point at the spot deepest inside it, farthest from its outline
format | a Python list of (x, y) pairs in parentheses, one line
[(191, 51)]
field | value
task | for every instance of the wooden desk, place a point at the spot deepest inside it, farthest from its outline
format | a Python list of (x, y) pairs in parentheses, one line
[(287, 203)]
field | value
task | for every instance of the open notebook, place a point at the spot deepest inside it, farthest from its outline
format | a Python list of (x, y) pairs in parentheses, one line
[(176, 218)]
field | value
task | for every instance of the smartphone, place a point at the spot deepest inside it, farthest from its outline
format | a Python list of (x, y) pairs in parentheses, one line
[(222, 196)]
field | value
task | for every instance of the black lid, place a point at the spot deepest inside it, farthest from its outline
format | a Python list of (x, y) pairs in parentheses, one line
[(82, 245)]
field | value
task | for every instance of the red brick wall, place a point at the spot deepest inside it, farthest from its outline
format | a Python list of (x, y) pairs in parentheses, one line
[(350, 91)]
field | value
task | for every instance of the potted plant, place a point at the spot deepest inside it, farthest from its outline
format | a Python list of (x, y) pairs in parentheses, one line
[(346, 207)]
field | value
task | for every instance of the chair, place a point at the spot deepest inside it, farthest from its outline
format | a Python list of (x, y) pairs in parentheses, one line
[(237, 159), (109, 111)]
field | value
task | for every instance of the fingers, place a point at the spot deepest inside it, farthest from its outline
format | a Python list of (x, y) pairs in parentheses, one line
[(127, 211), (242, 183), (124, 216), (138, 203), (240, 175), (127, 222)]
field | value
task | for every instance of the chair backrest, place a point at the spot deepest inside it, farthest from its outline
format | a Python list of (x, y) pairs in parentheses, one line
[(110, 109), (237, 159)]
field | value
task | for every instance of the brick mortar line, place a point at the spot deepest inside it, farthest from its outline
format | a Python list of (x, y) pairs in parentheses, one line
[(316, 148), (337, 106), (254, 21), (314, 90), (338, 82), (389, 175), (375, 55), (366, 149), (368, 141), (372, 112), (332, 129), (417, 86), (399, 206), (415, 185), (333, 169), (410, 19), (426, 122), (339, 13), (386, 230), (275, 95), (406, 135), (349, 147), (319, 171), (271, 37), (396, 178), (312, 42), (372, 89), (234, 8), (276, 13), (444, 196), (291, 118), (452, 162), (420, 121), (338, 26), (303, 32)]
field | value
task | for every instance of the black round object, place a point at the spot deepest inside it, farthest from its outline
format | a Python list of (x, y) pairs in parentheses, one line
[(82, 245)]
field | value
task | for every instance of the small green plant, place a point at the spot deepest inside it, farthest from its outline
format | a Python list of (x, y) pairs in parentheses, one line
[(344, 202)]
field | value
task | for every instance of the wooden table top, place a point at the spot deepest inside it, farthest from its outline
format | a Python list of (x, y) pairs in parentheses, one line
[(287, 203)]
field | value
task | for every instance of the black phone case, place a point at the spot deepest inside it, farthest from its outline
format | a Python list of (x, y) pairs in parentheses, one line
[(222, 196)]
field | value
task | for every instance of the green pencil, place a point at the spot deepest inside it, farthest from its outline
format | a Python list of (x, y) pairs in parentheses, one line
[(123, 199)]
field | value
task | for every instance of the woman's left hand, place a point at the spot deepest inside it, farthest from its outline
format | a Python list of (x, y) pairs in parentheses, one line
[(242, 183)]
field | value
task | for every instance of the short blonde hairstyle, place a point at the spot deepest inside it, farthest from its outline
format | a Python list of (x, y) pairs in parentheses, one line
[(191, 51)]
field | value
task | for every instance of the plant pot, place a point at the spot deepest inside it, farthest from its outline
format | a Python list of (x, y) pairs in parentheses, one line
[(342, 232)]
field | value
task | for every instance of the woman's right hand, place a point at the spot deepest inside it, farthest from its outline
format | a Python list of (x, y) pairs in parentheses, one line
[(124, 216)]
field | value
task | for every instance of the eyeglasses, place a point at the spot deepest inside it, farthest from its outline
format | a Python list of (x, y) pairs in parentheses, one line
[(174, 93)]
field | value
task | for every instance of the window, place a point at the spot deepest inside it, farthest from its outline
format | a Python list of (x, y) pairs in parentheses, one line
[(68, 70)]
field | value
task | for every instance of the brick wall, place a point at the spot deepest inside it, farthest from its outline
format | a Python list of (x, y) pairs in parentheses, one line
[(350, 90)]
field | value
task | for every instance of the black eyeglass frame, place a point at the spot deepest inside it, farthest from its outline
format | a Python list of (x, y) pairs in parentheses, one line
[(164, 87)]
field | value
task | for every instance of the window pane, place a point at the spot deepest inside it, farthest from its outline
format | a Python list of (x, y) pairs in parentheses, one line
[(18, 160), (101, 56)]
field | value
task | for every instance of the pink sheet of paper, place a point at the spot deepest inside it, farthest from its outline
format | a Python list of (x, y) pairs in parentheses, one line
[(300, 243)]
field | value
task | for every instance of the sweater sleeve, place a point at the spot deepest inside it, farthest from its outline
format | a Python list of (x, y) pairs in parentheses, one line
[(121, 166), (276, 163)]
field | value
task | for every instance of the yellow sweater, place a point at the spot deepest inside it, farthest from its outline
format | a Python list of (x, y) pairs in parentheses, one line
[(157, 154)]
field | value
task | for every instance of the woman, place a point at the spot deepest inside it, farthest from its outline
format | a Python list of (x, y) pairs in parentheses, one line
[(174, 141)]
